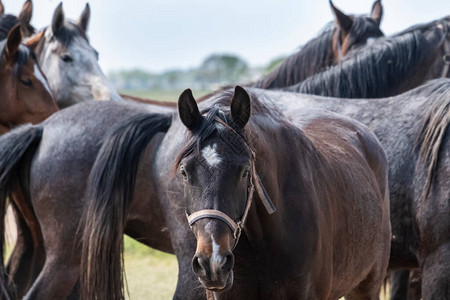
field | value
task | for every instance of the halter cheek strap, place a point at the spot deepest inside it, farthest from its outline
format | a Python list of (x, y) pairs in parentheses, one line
[(446, 55), (446, 60)]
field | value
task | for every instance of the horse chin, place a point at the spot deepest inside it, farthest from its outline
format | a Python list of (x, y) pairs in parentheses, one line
[(216, 287)]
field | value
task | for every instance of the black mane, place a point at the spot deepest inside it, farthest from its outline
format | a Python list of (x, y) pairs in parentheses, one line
[(207, 127), (21, 58), (6, 23), (312, 58), (371, 71), (68, 32), (363, 26), (315, 56)]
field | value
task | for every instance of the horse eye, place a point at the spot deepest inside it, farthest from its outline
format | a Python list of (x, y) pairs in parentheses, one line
[(26, 82), (183, 173), (246, 173), (67, 58)]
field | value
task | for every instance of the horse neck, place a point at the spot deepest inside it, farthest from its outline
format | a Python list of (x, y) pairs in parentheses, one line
[(340, 81), (314, 57), (271, 145), (7, 107)]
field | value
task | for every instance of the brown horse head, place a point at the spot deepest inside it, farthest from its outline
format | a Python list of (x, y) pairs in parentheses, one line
[(24, 92), (216, 169), (352, 32)]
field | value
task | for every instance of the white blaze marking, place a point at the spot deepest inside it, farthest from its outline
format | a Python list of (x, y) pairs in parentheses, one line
[(216, 260), (41, 78), (215, 255), (211, 155)]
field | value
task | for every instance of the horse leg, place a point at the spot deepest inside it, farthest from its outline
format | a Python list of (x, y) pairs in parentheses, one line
[(370, 287), (57, 279), (436, 274), (59, 223), (399, 284), (28, 255), (26, 260), (415, 282)]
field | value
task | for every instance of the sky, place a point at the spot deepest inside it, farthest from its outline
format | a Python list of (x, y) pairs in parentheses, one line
[(157, 35)]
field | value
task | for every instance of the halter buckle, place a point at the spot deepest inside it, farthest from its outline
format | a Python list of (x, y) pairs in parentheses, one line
[(238, 231), (446, 58)]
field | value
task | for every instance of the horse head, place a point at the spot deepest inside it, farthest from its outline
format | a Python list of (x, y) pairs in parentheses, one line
[(70, 62), (216, 169), (354, 31), (25, 94)]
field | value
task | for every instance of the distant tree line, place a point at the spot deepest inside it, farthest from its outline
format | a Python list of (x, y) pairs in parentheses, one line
[(216, 70)]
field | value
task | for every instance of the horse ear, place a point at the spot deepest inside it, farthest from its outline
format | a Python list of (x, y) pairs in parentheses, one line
[(58, 19), (13, 42), (2, 9), (240, 106), (187, 108), (342, 20), (83, 20), (26, 13), (34, 40), (377, 12)]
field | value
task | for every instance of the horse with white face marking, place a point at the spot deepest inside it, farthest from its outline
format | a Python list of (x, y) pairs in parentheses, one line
[(318, 169), (70, 63)]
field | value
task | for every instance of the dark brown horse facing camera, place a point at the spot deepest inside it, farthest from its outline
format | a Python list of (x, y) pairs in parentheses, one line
[(326, 176)]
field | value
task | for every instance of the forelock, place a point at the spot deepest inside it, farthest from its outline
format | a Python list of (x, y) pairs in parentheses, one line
[(68, 33), (21, 58)]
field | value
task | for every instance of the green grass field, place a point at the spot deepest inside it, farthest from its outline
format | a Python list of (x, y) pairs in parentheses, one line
[(150, 274), (163, 95)]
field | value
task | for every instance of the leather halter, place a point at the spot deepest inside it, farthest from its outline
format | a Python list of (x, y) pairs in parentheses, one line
[(446, 55), (236, 226), (446, 60)]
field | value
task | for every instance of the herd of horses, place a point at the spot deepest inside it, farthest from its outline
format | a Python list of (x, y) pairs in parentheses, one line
[(310, 183)]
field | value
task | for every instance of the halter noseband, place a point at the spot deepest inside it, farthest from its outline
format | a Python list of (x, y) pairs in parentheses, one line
[(236, 226)]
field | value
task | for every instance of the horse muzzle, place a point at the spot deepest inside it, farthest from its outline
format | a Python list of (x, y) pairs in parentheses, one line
[(214, 273)]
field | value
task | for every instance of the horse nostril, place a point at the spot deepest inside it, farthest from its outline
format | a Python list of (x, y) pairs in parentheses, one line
[(199, 265), (228, 264)]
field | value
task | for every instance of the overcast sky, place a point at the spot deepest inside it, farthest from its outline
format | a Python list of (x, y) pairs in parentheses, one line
[(156, 35)]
